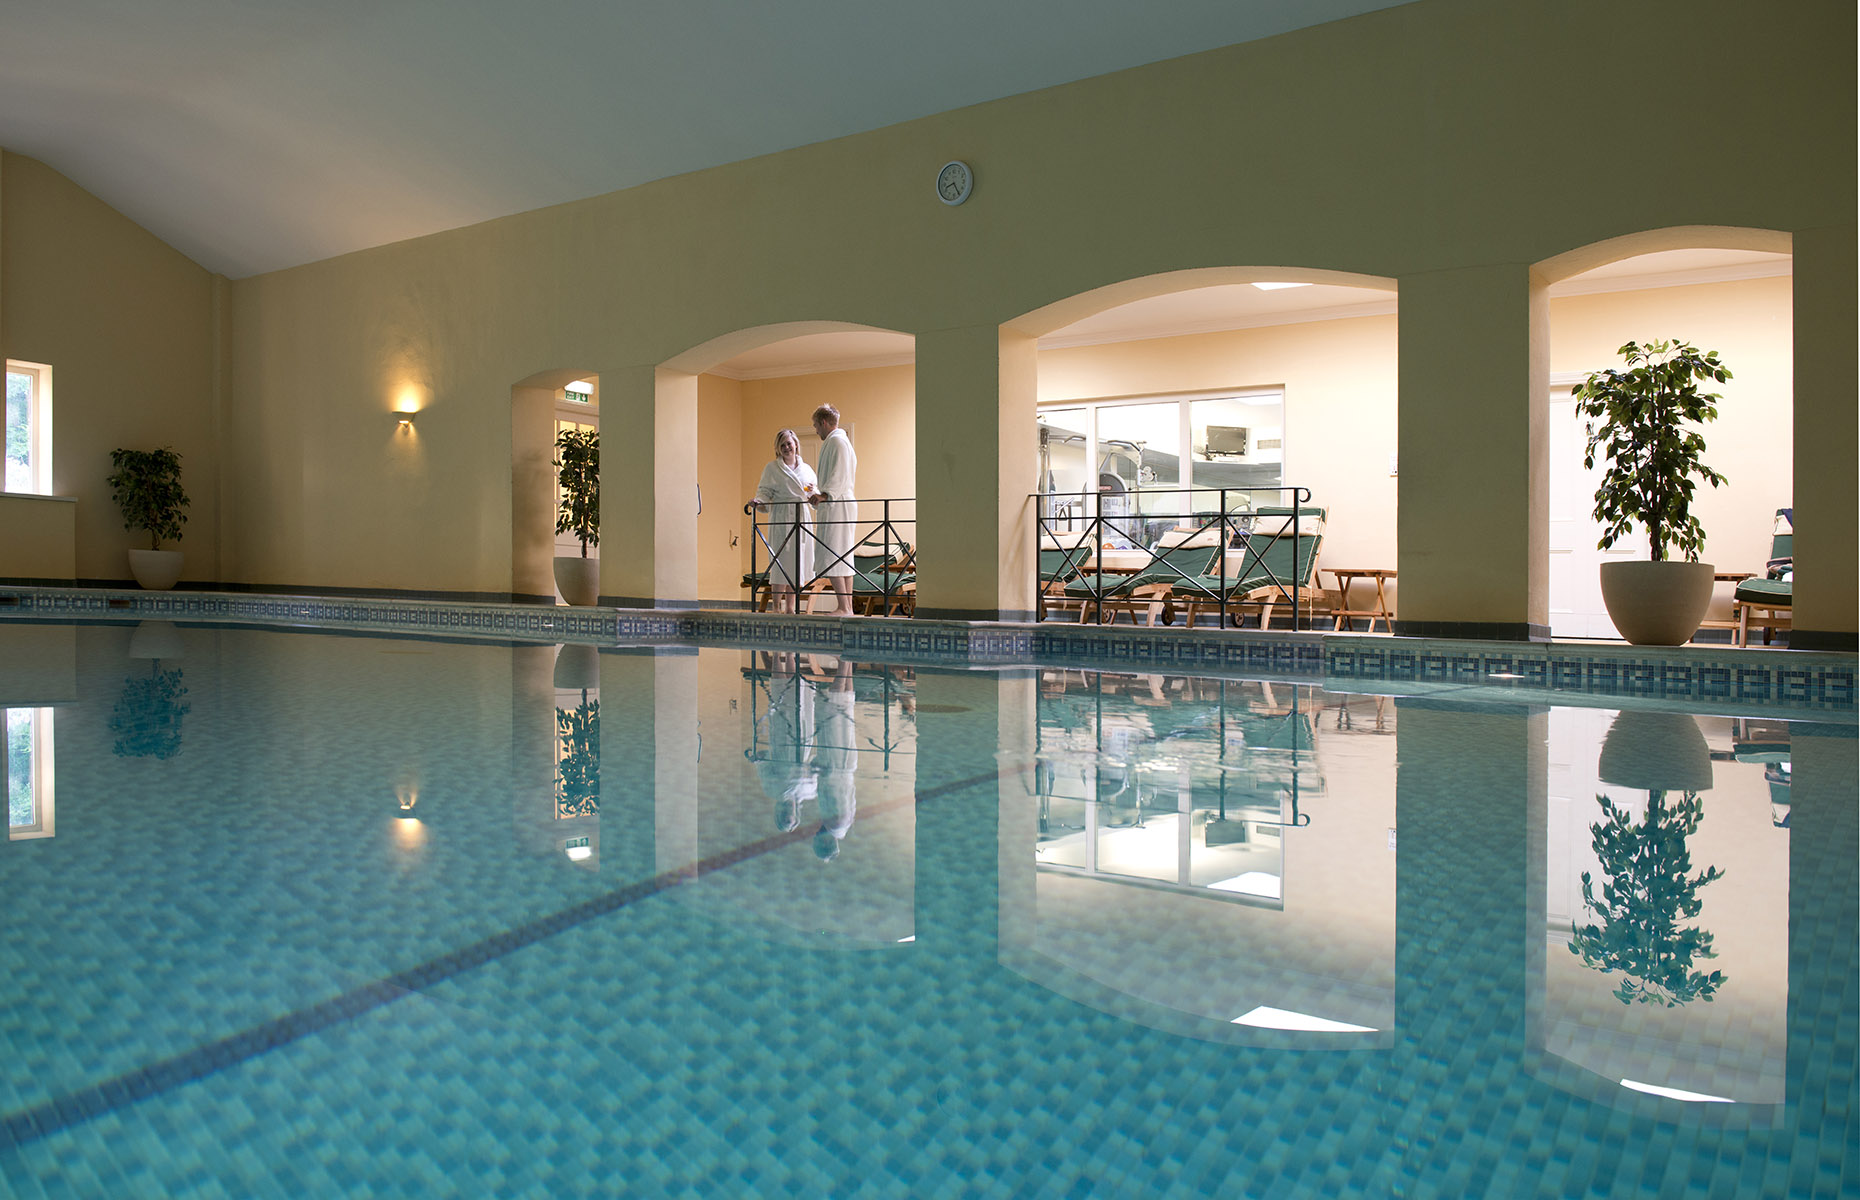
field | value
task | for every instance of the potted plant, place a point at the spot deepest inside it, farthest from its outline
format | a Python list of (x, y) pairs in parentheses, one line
[(1644, 421), (578, 455), (147, 487)]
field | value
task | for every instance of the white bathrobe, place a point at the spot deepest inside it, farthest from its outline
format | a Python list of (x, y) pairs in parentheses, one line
[(784, 488), (836, 521)]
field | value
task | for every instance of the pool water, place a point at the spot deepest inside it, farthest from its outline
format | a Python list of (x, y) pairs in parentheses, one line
[(296, 913)]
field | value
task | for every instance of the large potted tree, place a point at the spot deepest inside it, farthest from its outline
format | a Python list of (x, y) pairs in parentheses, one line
[(1644, 421), (578, 457), (147, 487)]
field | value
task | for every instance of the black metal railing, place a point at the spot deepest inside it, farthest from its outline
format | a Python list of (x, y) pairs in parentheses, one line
[(1074, 529), (881, 559)]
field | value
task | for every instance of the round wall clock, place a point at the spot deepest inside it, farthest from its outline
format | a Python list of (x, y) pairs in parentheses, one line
[(954, 182)]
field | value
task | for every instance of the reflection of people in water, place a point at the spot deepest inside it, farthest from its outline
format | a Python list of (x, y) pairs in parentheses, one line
[(786, 773), (835, 758)]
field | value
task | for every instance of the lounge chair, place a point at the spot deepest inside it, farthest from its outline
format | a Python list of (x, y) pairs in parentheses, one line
[(1062, 554), (884, 578), (1265, 571), (1767, 600), (1179, 555)]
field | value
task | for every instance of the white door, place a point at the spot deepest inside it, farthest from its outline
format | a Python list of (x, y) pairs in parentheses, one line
[(1576, 609)]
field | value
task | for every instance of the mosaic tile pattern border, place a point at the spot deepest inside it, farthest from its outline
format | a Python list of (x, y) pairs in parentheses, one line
[(1806, 681), (1792, 679)]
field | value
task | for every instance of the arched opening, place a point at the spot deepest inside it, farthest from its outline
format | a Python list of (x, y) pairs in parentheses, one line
[(722, 403), (541, 406), (1165, 399), (1728, 290)]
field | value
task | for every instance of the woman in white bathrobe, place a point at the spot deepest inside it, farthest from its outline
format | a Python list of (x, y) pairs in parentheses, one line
[(836, 509), (787, 484)]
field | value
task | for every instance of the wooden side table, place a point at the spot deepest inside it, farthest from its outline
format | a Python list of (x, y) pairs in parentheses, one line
[(1381, 612)]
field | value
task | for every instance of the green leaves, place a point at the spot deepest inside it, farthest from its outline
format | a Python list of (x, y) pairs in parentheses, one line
[(579, 457), (147, 487), (1639, 421), (1650, 889), (578, 771)]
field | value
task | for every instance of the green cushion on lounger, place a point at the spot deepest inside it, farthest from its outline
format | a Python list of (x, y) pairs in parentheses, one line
[(1171, 565), (1775, 592)]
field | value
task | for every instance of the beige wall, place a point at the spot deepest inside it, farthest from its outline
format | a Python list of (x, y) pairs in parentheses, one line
[(1452, 180), (126, 324), (38, 538), (722, 529)]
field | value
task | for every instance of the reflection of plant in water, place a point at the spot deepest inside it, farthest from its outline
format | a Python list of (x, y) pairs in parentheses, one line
[(578, 773), (1650, 889), (147, 718)]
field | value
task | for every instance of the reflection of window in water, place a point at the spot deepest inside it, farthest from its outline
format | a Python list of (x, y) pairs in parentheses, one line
[(29, 805), (1172, 790)]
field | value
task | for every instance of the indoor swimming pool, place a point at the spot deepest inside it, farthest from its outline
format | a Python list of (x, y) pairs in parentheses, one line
[(311, 913)]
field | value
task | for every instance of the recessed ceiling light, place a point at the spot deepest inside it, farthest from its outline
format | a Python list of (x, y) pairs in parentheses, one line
[(1273, 287)]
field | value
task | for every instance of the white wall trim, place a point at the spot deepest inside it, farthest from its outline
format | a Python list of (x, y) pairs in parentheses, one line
[(821, 367), (1374, 308), (1665, 279)]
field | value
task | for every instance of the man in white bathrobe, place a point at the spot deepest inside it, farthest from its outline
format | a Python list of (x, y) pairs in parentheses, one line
[(836, 510)]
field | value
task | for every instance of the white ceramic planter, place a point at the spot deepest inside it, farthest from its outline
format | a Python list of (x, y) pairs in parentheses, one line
[(156, 570), (578, 579), (1657, 603)]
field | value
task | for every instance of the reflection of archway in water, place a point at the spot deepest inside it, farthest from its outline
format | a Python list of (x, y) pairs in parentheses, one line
[(729, 395), (817, 749), (538, 404), (1171, 867), (1732, 1047)]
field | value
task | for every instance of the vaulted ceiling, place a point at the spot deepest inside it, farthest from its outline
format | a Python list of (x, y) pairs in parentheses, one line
[(259, 134)]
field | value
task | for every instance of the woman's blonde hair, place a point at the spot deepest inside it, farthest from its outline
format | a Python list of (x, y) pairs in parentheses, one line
[(787, 433)]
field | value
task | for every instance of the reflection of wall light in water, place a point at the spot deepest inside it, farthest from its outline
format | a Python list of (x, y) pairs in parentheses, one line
[(1264, 1017), (1654, 1089), (410, 832), (408, 797), (1250, 883)]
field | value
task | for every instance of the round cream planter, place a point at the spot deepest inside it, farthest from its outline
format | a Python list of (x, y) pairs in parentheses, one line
[(1657, 603), (578, 579), (156, 570)]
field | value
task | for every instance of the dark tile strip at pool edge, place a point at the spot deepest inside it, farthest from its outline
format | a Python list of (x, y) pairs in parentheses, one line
[(74, 1108)]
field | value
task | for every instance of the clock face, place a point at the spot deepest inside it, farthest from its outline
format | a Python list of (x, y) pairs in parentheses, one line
[(953, 182)]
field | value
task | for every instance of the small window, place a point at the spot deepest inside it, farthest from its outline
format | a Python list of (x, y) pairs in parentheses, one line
[(28, 428)]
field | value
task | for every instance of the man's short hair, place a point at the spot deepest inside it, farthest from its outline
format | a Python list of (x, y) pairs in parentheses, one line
[(827, 412)]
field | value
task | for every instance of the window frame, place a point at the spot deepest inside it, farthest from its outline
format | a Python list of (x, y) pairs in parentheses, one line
[(38, 430)]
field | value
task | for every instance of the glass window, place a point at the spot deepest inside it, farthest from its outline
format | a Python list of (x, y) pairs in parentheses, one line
[(28, 429), (1238, 443), (1140, 468)]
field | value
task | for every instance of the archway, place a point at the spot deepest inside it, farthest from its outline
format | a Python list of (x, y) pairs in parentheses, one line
[(1727, 290), (540, 405), (717, 407), (1232, 382)]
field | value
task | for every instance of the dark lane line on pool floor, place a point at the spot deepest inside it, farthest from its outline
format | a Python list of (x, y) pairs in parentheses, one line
[(59, 1113)]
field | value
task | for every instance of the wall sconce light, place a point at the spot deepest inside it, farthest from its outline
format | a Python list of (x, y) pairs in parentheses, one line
[(405, 418)]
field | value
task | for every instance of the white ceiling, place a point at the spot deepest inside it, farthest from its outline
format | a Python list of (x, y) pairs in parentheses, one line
[(258, 134), (1241, 306)]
